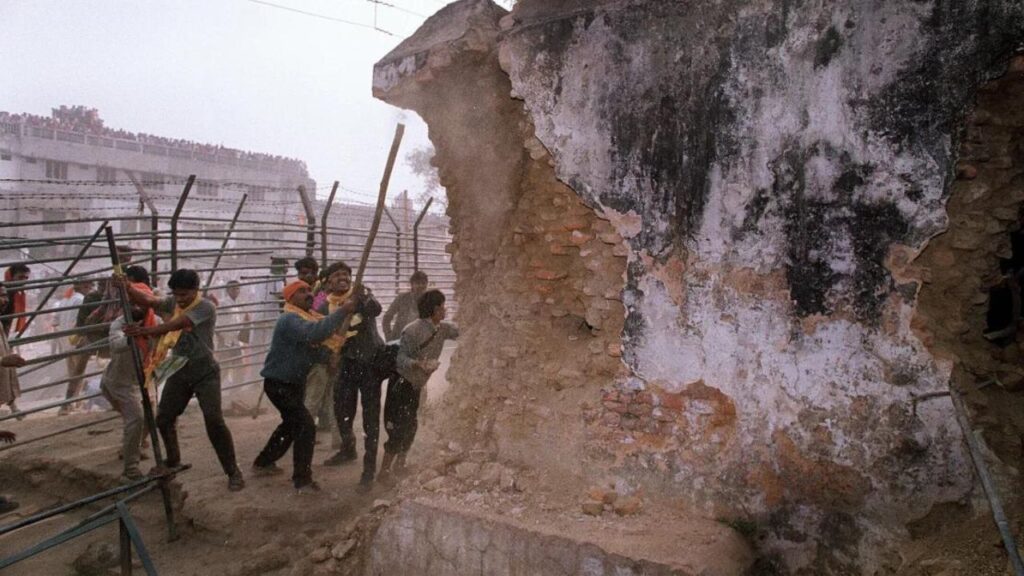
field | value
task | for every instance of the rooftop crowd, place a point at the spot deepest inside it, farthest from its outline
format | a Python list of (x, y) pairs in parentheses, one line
[(85, 120)]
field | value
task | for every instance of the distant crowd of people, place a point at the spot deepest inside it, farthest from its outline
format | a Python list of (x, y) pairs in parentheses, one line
[(87, 121), (326, 360)]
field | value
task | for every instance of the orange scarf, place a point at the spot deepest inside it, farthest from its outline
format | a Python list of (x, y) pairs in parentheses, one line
[(149, 321), (18, 299)]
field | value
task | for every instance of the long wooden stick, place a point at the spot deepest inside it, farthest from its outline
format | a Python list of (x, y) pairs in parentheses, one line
[(381, 197)]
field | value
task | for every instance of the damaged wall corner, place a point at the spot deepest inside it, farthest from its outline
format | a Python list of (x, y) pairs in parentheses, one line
[(539, 273), (730, 198)]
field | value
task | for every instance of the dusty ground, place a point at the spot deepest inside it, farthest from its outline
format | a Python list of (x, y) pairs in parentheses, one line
[(220, 528)]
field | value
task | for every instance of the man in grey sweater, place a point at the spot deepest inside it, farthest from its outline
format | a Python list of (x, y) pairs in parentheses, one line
[(421, 345), (294, 348)]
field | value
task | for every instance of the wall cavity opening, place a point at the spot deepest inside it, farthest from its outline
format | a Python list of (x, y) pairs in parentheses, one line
[(970, 300)]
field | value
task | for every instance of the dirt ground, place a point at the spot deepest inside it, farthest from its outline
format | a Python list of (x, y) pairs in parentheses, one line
[(220, 528)]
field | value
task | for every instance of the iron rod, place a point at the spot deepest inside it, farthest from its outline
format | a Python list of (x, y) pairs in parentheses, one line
[(58, 309), (416, 235), (21, 443), (36, 518), (323, 225), (174, 220), (140, 377), (224, 245), (995, 502), (310, 221)]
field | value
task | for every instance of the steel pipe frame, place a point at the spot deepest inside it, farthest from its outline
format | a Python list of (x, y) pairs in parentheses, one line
[(224, 245), (51, 406), (58, 309), (68, 221), (191, 253), (398, 250), (21, 443), (323, 226), (87, 500), (416, 235), (62, 381), (50, 359), (241, 384), (71, 266), (57, 334)]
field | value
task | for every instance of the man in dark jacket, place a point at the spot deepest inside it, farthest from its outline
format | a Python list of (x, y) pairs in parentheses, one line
[(294, 348), (357, 380)]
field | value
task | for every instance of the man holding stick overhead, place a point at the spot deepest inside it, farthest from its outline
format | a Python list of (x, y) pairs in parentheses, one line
[(187, 334), (294, 348)]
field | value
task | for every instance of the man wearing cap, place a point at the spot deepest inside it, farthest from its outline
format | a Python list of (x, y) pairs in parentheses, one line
[(294, 348)]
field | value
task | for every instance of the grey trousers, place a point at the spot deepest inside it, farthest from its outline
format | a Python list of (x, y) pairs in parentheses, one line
[(125, 397), (319, 399)]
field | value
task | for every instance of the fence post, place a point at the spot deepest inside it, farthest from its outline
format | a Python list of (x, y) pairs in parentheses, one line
[(416, 236), (398, 250), (174, 221), (323, 226), (42, 303), (224, 244), (310, 221), (154, 224)]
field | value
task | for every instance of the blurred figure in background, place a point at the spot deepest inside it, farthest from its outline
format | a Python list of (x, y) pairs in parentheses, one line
[(10, 390), (15, 299), (403, 308)]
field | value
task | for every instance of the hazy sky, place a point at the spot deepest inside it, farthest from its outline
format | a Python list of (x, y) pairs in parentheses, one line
[(229, 72)]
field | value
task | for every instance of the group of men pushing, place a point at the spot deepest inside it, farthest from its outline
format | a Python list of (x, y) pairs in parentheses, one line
[(326, 355)]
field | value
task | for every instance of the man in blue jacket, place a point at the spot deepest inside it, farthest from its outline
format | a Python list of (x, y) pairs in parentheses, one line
[(294, 348)]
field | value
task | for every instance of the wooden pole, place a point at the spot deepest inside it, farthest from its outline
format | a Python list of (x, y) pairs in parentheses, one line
[(381, 196)]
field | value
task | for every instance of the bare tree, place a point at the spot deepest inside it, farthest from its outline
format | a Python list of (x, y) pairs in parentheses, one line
[(419, 161)]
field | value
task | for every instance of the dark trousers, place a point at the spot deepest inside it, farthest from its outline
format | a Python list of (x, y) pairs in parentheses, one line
[(176, 395), (400, 408), (296, 427), (356, 380)]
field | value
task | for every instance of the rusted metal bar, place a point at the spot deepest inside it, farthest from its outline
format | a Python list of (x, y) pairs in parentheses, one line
[(974, 443), (416, 236), (398, 250), (154, 222), (56, 334), (310, 221), (21, 224), (224, 244), (140, 376), (44, 407), (194, 253), (174, 220), (83, 376), (323, 226), (21, 443), (78, 257)]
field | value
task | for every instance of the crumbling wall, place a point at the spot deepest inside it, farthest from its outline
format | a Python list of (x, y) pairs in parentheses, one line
[(539, 274), (774, 168)]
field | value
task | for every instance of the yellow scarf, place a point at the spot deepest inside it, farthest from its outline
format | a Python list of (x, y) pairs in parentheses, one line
[(168, 341), (335, 301), (335, 342)]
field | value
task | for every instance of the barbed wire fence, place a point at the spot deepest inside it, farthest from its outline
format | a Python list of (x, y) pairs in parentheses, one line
[(230, 237)]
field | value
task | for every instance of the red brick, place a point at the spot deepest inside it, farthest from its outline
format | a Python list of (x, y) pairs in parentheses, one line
[(543, 274)]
